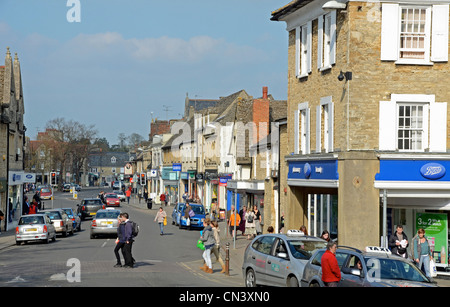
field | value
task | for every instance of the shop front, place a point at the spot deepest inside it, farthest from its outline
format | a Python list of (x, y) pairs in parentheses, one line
[(171, 181), (314, 188), (415, 193), (15, 198)]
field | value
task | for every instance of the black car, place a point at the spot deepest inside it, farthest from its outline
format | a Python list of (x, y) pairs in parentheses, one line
[(89, 207)]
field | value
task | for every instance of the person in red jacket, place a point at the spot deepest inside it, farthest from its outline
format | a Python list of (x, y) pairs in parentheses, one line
[(331, 274)]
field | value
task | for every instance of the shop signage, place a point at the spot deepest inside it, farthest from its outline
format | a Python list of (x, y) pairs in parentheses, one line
[(432, 171), (317, 170), (176, 167), (15, 177), (413, 170), (435, 226), (29, 177)]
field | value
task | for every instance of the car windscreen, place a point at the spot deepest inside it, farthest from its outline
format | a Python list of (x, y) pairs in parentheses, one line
[(111, 196), (27, 220), (69, 212), (107, 215), (388, 268), (303, 249), (45, 190), (54, 215), (198, 210)]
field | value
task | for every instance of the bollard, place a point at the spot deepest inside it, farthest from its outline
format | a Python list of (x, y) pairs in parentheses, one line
[(227, 259)]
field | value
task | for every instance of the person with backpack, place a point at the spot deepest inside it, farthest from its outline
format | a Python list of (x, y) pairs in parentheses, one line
[(125, 240), (250, 226), (160, 217)]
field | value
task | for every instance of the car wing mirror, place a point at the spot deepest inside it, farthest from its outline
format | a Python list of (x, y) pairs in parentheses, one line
[(282, 255)]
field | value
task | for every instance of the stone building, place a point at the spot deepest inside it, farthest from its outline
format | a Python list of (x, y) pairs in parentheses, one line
[(367, 113), (12, 141)]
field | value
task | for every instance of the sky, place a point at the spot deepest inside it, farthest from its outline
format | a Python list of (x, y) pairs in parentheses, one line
[(116, 64)]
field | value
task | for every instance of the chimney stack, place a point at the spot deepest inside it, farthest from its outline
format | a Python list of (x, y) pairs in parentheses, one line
[(265, 90)]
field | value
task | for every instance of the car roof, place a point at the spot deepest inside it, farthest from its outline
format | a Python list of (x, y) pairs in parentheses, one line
[(293, 238), (37, 214)]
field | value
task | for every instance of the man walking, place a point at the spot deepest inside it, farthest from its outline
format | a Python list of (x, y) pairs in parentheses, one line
[(124, 241), (331, 274)]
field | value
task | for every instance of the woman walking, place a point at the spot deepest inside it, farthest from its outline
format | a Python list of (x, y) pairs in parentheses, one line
[(160, 217), (208, 241), (216, 247), (422, 252)]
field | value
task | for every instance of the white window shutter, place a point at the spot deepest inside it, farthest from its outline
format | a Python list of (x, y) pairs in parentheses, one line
[(297, 51), (308, 133), (309, 46), (389, 32), (333, 38), (330, 127), (318, 128), (438, 127), (297, 136), (388, 126), (439, 35), (320, 42)]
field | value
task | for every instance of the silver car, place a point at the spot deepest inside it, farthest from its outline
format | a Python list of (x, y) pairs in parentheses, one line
[(374, 267), (63, 224), (278, 259), (105, 222), (35, 227)]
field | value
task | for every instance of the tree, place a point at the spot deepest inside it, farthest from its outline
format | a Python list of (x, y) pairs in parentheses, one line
[(69, 142)]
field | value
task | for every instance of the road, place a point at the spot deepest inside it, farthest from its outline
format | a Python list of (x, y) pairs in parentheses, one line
[(171, 260)]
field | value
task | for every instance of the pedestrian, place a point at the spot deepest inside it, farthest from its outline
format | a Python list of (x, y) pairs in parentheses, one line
[(26, 206), (167, 198), (234, 221), (2, 217), (242, 213), (270, 229), (125, 240), (216, 247), (145, 195), (33, 208), (258, 220), (187, 214), (128, 195), (161, 215), (304, 230), (325, 235), (250, 229), (398, 242), (162, 198), (37, 199), (208, 241), (422, 252), (331, 274)]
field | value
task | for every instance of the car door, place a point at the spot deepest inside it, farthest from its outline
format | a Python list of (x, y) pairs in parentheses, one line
[(257, 257), (350, 270), (276, 268), (50, 228)]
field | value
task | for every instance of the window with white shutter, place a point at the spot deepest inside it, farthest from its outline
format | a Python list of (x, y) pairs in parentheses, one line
[(414, 34), (303, 42), (302, 129), (326, 41)]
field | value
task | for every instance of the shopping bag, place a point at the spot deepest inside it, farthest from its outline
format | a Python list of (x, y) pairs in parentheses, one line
[(433, 271), (165, 221), (200, 245)]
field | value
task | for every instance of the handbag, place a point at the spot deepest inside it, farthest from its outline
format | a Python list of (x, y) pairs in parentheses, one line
[(200, 244), (165, 221)]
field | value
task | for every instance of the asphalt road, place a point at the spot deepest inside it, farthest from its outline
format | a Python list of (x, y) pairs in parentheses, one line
[(171, 260)]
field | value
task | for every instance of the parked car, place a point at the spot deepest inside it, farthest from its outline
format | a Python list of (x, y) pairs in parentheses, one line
[(35, 227), (105, 222), (176, 213), (374, 267), (121, 195), (116, 185), (278, 259), (112, 200), (46, 193), (89, 207), (76, 220), (63, 224), (66, 187), (75, 186), (195, 221)]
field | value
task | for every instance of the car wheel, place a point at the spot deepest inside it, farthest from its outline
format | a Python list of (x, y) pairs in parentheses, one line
[(54, 238), (292, 282), (92, 236), (18, 242), (314, 285), (250, 279)]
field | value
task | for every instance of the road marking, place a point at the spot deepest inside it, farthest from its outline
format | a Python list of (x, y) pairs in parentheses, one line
[(104, 243), (17, 279)]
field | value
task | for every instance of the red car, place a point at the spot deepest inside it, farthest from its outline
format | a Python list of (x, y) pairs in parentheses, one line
[(112, 200), (46, 193)]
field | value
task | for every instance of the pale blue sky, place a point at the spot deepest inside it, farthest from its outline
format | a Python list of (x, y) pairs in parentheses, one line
[(126, 59)]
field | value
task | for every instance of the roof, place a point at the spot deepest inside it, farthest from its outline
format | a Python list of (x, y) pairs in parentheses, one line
[(106, 159), (292, 6)]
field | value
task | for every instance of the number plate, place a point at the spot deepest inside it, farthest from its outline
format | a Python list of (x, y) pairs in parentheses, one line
[(31, 229)]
